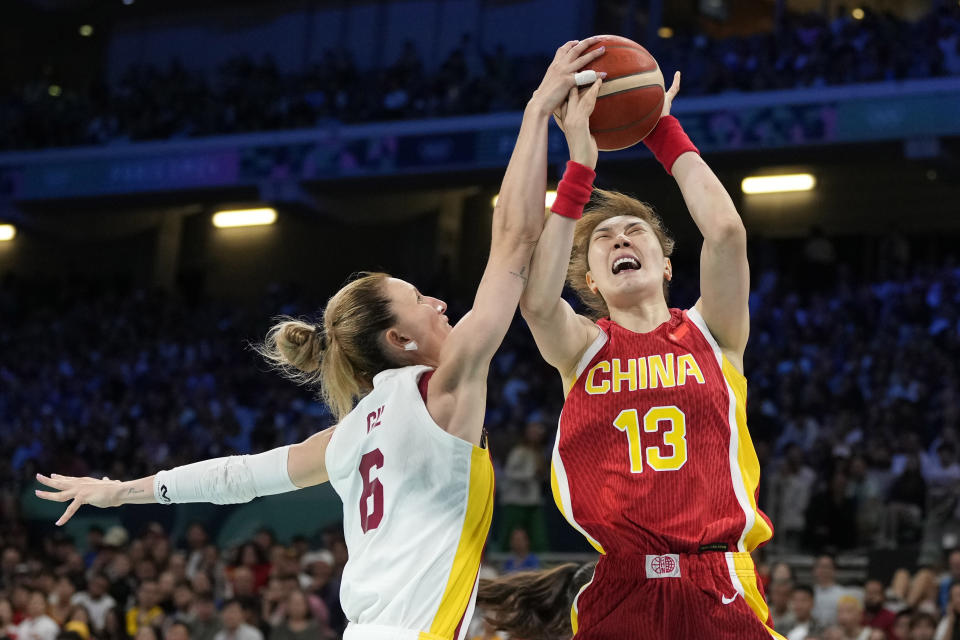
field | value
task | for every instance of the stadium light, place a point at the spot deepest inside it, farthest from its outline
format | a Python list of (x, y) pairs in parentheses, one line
[(7, 232), (244, 217), (778, 184), (86, 30), (857, 14), (665, 32), (548, 201), (54, 90)]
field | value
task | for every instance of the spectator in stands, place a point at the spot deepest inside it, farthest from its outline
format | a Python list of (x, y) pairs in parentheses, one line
[(59, 601), (850, 618), (8, 630), (901, 627), (204, 623), (790, 489), (196, 539), (779, 594), (907, 502), (177, 630), (831, 516), (804, 626), (521, 487), (923, 627), (37, 625), (949, 627), (521, 558), (96, 600), (147, 632), (952, 576), (826, 591), (234, 627), (875, 614), (78, 621), (298, 622), (147, 611)]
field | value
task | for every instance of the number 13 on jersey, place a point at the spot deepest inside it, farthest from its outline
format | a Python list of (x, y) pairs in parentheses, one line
[(674, 439)]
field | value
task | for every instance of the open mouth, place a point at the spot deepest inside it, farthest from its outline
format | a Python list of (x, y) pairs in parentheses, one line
[(626, 263)]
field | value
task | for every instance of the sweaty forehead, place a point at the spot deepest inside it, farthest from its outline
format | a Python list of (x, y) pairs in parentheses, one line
[(619, 223), (399, 287)]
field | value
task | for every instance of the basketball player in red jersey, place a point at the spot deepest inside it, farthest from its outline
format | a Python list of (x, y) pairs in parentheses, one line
[(653, 462)]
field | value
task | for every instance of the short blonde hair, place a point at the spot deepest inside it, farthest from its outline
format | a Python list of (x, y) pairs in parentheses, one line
[(603, 206)]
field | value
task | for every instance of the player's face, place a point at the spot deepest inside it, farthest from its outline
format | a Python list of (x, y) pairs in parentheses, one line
[(626, 260), (420, 318)]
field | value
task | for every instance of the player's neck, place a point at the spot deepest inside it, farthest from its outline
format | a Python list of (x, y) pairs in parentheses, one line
[(643, 317)]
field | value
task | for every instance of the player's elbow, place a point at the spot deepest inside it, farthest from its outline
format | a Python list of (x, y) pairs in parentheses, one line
[(510, 222), (537, 309), (729, 230)]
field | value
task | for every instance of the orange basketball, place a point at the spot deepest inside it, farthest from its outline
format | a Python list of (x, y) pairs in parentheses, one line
[(631, 96)]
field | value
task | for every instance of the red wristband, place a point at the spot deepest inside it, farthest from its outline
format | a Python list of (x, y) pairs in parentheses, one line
[(574, 190), (668, 141)]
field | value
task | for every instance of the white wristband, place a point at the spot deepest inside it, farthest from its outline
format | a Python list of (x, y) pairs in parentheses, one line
[(230, 480)]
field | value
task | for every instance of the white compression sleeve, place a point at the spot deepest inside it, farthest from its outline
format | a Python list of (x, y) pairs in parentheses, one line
[(228, 480)]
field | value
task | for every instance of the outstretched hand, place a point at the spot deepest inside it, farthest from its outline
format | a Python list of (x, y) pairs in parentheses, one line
[(671, 94), (79, 491), (573, 117), (559, 78)]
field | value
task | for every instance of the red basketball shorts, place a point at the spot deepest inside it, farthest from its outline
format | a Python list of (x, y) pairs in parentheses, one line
[(673, 597)]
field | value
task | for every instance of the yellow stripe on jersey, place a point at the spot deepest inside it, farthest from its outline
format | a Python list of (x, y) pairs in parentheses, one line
[(747, 575), (747, 461), (466, 562), (558, 498)]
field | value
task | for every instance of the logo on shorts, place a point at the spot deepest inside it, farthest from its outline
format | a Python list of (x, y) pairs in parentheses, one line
[(665, 566), (725, 600)]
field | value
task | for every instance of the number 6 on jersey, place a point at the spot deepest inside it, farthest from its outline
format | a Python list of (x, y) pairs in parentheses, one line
[(675, 437), (371, 515)]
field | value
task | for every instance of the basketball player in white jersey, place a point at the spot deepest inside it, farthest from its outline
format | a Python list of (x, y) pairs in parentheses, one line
[(409, 393)]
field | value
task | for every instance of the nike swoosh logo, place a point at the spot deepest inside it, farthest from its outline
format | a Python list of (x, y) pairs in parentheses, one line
[(726, 600)]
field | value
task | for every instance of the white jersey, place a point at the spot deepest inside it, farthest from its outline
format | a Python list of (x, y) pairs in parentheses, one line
[(417, 504)]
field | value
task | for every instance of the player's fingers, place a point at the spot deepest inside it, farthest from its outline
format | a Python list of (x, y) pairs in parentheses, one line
[(585, 77), (72, 509), (675, 85), (53, 496), (565, 47), (588, 57), (573, 99), (583, 45), (60, 477), (51, 482), (589, 98)]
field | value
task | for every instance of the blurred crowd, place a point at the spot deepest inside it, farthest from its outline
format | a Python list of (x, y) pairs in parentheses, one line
[(248, 95), (151, 587)]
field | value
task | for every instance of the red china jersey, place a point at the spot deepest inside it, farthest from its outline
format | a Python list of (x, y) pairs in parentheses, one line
[(652, 452)]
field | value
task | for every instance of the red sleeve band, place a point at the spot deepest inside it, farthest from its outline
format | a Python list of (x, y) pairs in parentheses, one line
[(573, 192), (668, 141)]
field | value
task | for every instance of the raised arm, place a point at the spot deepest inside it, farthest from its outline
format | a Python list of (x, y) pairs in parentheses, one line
[(459, 384), (228, 480), (724, 271), (561, 335)]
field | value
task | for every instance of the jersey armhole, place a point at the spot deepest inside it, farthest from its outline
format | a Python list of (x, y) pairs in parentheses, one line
[(422, 386), (590, 353)]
